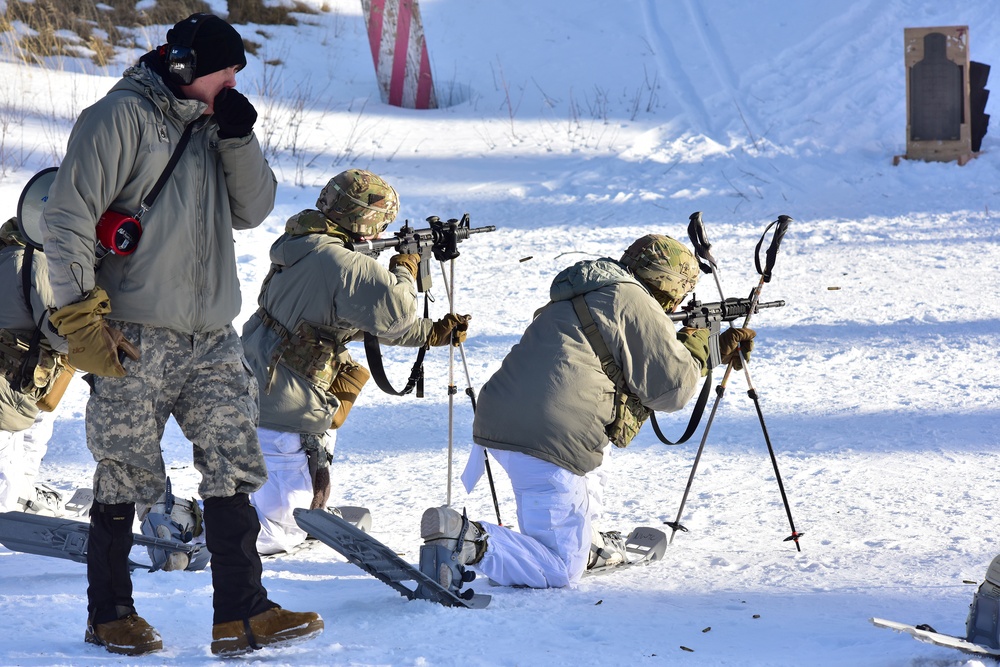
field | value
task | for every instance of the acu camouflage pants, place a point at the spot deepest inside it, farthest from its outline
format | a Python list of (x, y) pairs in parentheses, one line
[(203, 381)]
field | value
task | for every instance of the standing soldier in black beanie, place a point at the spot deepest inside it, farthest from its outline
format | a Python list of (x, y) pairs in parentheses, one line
[(152, 323)]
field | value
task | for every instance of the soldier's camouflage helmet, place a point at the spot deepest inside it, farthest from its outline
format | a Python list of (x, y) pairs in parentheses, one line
[(665, 266), (359, 202), (10, 233)]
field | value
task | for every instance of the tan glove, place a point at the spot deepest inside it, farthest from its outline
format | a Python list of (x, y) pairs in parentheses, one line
[(696, 342), (730, 340), (50, 400), (451, 328), (93, 345), (350, 380), (411, 262)]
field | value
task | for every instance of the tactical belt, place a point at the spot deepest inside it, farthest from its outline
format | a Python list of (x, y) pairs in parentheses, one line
[(314, 359), (273, 324)]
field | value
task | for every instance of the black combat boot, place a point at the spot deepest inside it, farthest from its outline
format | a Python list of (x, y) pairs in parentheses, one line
[(111, 618), (245, 619)]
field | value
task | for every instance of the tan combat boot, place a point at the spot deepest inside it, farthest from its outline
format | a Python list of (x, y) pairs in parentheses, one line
[(128, 635), (269, 628)]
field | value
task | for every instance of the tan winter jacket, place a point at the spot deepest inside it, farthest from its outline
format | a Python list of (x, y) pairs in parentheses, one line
[(183, 274), (319, 281), (17, 411), (551, 399)]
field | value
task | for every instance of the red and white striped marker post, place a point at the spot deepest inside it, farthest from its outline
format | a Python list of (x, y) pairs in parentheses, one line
[(396, 36)]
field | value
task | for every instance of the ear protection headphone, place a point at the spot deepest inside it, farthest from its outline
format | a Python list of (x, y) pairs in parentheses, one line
[(181, 57)]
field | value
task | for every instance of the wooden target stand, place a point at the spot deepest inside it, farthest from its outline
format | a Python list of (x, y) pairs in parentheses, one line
[(938, 113)]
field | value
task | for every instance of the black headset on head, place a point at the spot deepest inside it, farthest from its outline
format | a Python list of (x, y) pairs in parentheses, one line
[(181, 57)]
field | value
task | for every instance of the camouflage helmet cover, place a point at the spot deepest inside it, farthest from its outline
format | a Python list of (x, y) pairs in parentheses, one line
[(663, 265), (359, 202)]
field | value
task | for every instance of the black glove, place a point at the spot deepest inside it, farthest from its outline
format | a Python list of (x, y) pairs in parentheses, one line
[(234, 114)]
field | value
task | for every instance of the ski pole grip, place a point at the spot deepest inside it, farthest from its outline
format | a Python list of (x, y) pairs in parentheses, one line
[(696, 232), (780, 227)]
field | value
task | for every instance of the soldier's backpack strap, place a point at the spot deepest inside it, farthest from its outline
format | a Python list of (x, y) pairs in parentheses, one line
[(29, 253), (629, 412), (614, 372), (612, 369), (31, 357)]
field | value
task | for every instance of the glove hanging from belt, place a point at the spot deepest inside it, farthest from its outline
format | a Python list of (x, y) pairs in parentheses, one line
[(94, 347)]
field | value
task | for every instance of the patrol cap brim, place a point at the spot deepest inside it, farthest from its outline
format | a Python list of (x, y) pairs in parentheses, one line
[(30, 205)]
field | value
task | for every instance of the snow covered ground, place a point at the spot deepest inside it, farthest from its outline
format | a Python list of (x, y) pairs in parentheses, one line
[(575, 127)]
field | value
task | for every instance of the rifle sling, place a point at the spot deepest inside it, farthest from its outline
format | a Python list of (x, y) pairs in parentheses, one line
[(147, 202), (373, 352), (699, 410)]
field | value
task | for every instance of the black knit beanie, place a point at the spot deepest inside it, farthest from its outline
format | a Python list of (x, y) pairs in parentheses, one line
[(216, 44)]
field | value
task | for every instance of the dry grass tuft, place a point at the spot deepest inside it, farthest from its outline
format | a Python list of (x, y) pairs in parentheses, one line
[(73, 28), (254, 11)]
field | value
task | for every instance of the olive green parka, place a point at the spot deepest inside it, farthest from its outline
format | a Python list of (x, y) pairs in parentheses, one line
[(316, 280), (182, 276), (552, 400)]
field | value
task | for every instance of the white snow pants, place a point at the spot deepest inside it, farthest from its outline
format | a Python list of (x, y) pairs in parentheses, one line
[(288, 486), (20, 458), (555, 511)]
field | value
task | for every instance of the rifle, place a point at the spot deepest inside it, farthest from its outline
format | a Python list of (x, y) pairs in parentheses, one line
[(440, 241), (709, 316)]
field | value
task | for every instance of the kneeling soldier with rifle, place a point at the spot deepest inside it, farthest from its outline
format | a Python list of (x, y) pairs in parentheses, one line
[(323, 291), (588, 370)]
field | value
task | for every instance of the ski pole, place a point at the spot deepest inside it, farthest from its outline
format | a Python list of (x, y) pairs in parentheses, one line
[(765, 276), (696, 231), (470, 392), (702, 249), (451, 408), (752, 393), (676, 525)]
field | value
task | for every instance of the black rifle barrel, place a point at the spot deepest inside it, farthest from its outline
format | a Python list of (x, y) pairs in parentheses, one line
[(725, 311), (415, 237)]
